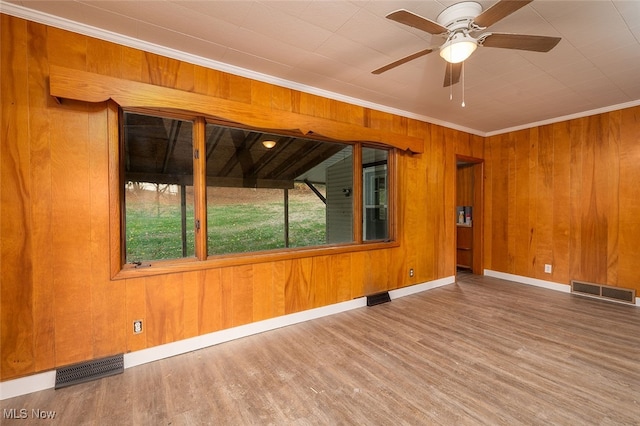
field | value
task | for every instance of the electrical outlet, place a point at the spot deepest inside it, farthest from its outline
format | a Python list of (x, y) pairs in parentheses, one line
[(547, 268), (411, 272), (137, 327)]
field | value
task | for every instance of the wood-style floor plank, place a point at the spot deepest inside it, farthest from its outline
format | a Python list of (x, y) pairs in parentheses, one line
[(480, 351)]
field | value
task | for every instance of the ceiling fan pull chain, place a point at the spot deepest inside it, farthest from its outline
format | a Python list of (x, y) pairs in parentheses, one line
[(462, 77), (450, 65)]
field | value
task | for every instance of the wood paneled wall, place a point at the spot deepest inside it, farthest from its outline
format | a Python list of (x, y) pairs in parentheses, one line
[(58, 303), (568, 195)]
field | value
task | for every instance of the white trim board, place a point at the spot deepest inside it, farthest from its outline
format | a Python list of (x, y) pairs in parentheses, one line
[(46, 380), (529, 281)]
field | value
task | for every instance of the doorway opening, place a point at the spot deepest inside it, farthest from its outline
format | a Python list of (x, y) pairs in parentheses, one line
[(469, 214)]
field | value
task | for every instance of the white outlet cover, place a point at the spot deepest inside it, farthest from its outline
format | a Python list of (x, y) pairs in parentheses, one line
[(547, 269), (137, 327)]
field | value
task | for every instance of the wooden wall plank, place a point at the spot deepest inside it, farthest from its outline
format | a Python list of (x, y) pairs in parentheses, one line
[(43, 313), (279, 278), (561, 248), (544, 201), (136, 309), (612, 163), (321, 282), (66, 49), (242, 294), (437, 200), (235, 88), (500, 206), (412, 211), (164, 300), (340, 277), (71, 181), (532, 247), (261, 94), (16, 250), (104, 57), (629, 220), (377, 278), (167, 72), (210, 300), (577, 135), (281, 99), (511, 214), (191, 313), (264, 292), (298, 294), (358, 271), (524, 214), (594, 227), (131, 64)]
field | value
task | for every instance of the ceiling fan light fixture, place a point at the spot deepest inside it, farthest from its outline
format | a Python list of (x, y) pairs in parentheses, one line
[(269, 144), (458, 48)]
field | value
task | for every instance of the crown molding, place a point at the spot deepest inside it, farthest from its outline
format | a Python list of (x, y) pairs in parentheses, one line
[(580, 114)]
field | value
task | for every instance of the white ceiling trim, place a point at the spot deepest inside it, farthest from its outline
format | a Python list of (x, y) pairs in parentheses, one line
[(566, 118), (76, 27)]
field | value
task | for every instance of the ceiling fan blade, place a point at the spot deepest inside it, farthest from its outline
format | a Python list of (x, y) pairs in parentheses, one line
[(498, 11), (521, 42), (416, 21), (452, 74), (401, 61)]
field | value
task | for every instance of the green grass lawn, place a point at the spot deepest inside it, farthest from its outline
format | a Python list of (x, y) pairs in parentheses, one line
[(153, 226)]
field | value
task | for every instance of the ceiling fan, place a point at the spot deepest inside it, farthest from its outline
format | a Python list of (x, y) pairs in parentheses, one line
[(457, 23)]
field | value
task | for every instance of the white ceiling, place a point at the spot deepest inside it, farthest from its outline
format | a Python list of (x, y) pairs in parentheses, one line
[(331, 47)]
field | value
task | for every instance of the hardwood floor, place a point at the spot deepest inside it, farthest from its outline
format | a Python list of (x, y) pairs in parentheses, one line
[(481, 351)]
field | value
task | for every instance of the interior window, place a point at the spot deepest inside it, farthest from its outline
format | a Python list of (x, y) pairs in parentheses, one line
[(268, 191), (375, 194), (158, 187), (257, 190)]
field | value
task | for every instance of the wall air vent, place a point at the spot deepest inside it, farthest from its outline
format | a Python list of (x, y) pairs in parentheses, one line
[(90, 370), (377, 299), (604, 292)]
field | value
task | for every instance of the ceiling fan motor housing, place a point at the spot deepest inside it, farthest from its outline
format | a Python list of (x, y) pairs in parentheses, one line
[(459, 16)]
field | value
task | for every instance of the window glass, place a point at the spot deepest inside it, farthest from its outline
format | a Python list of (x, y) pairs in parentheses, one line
[(158, 188), (264, 191), (375, 194), (267, 191)]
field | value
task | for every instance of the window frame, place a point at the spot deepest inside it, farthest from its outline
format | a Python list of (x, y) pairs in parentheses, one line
[(121, 270)]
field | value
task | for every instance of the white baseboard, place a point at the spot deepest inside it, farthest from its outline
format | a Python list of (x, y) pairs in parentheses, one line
[(28, 384), (417, 288), (565, 288), (46, 380)]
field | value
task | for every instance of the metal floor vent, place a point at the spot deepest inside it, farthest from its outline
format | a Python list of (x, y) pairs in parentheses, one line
[(90, 370), (377, 299), (604, 292)]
